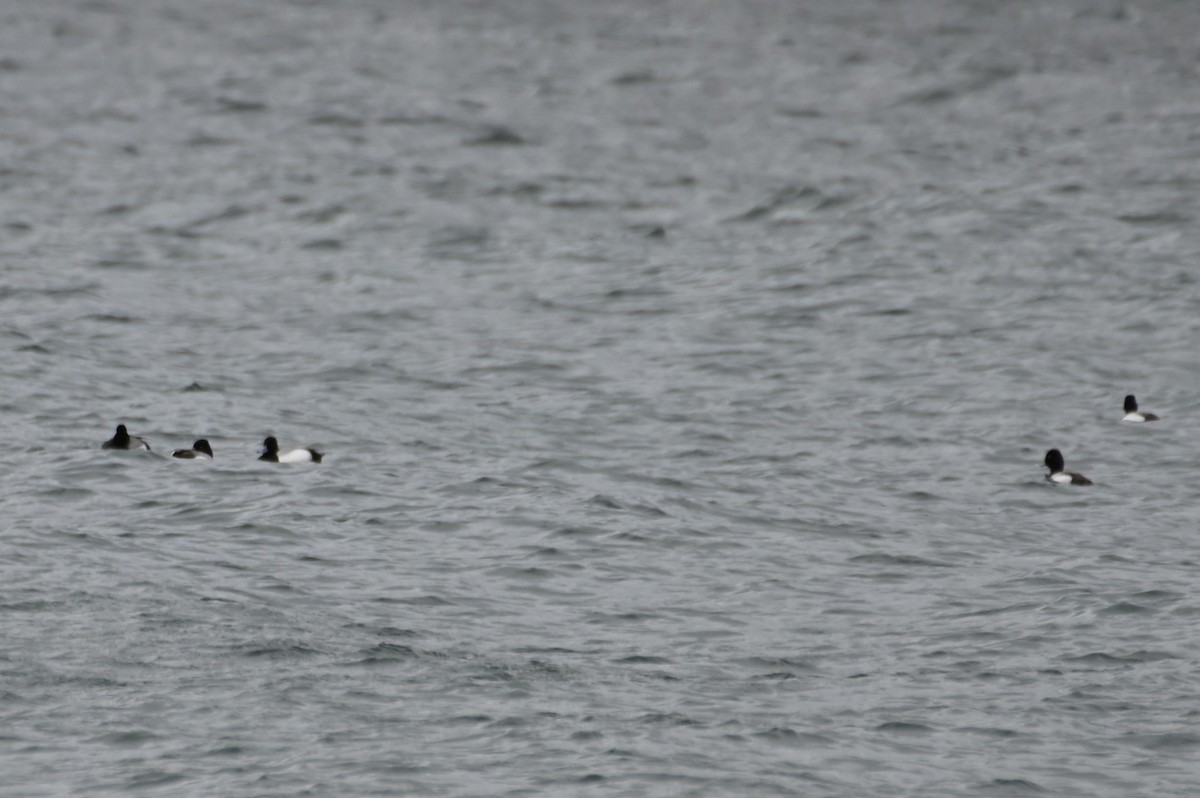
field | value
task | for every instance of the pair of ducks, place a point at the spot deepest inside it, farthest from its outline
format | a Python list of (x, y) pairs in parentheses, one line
[(1054, 459), (201, 450)]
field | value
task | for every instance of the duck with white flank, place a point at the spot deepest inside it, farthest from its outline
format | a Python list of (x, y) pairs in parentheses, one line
[(123, 440), (271, 453), (1133, 414), (1059, 476)]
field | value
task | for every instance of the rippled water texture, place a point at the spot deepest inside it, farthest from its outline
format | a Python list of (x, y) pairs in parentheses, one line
[(684, 371)]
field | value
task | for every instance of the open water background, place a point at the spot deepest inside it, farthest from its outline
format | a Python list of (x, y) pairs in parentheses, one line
[(684, 369)]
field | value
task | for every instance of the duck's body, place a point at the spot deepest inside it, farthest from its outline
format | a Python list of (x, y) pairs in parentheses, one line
[(200, 451), (1133, 415), (123, 440), (271, 454), (1058, 473)]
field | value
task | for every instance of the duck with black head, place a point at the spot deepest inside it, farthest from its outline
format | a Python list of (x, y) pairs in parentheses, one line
[(1058, 473), (200, 451), (123, 440), (1132, 414), (271, 454)]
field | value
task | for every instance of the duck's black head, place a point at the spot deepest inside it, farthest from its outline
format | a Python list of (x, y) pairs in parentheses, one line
[(1130, 404), (1054, 461), (270, 450)]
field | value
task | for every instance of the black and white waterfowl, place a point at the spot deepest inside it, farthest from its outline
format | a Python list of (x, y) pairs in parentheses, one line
[(200, 451), (271, 453), (1058, 475), (123, 440), (1133, 414)]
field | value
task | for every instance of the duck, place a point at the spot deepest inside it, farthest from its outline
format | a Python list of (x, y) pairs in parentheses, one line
[(123, 440), (200, 451), (1059, 476), (271, 453), (1132, 413)]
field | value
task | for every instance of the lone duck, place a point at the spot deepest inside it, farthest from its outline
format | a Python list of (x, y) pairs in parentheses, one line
[(271, 453), (1059, 476), (1132, 413), (123, 440), (200, 451)]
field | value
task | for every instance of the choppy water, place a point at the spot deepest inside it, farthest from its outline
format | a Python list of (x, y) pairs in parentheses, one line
[(684, 369)]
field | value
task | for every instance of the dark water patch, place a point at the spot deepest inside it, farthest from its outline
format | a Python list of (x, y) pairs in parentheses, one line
[(203, 140), (229, 565), (525, 189), (496, 136), (67, 494), (127, 739), (32, 605), (988, 611), (226, 214), (1165, 217), (634, 78), (800, 112), (1160, 596), (523, 573), (784, 735), (457, 240), (323, 245), (643, 659), (1011, 787), (383, 653), (124, 264), (622, 617), (229, 750), (153, 778), (415, 119), (932, 95), (1104, 658), (576, 203), (609, 503), (1125, 608), (903, 727), (906, 560), (322, 215), (276, 650), (176, 232), (237, 105), (989, 731), (666, 719), (1168, 741), (469, 720), (777, 662), (384, 631), (416, 601), (334, 119), (54, 292), (579, 532)]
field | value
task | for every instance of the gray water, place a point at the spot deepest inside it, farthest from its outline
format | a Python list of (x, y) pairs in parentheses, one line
[(684, 371)]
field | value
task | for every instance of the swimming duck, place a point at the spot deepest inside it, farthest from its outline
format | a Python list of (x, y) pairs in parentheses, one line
[(271, 453), (1132, 413), (1059, 476), (123, 440), (200, 451)]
